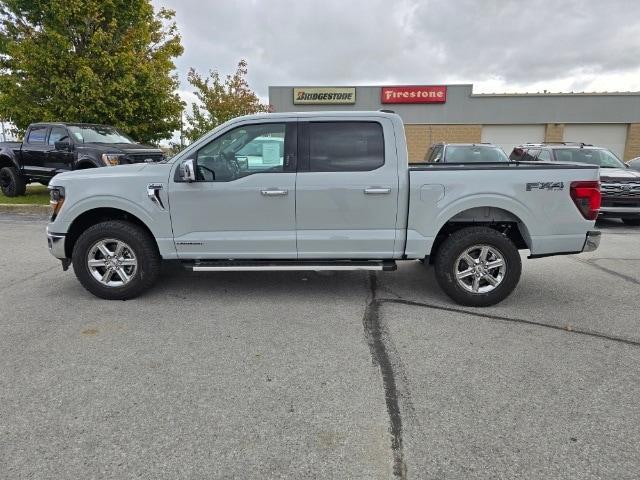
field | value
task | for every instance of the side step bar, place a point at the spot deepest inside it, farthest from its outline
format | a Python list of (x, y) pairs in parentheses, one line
[(290, 265)]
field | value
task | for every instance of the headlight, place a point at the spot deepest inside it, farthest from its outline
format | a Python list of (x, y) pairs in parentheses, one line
[(112, 159), (56, 199)]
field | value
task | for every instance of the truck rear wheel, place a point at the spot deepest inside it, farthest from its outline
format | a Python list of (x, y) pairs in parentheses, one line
[(116, 260), (634, 222), (477, 266), (11, 182)]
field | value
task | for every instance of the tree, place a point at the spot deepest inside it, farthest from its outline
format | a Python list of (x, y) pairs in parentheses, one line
[(218, 101), (101, 61)]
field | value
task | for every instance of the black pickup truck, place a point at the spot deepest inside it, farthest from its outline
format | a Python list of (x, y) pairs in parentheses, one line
[(52, 148)]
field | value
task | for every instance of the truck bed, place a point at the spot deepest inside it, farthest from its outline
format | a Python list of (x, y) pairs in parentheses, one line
[(533, 195)]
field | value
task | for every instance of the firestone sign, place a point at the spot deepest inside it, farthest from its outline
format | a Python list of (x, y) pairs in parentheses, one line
[(324, 95), (424, 94)]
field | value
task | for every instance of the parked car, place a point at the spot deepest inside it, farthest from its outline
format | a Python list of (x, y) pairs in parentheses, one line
[(465, 153), (341, 196), (620, 184), (51, 148)]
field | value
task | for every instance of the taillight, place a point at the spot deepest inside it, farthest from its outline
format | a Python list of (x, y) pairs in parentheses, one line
[(586, 196)]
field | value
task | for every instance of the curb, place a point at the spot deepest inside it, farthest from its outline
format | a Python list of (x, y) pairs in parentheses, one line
[(24, 208)]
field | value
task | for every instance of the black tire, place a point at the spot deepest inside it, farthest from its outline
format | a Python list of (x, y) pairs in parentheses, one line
[(140, 242), (446, 265), (633, 222), (11, 182)]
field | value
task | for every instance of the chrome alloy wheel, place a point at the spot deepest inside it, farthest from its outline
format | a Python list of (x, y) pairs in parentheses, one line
[(480, 269), (112, 262)]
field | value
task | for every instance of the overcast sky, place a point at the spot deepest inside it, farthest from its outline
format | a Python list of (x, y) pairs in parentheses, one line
[(498, 45)]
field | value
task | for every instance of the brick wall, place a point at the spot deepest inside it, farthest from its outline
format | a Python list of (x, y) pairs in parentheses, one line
[(632, 146), (420, 137), (554, 132)]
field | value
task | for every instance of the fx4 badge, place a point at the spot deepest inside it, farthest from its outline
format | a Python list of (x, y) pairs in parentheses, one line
[(548, 186)]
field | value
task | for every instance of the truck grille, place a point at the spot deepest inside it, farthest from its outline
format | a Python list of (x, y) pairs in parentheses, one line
[(621, 189), (145, 157)]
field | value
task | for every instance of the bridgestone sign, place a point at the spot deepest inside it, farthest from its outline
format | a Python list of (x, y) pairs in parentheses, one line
[(324, 95)]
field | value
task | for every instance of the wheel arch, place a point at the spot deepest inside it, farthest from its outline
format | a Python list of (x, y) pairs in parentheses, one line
[(7, 161), (504, 220), (86, 162), (94, 216)]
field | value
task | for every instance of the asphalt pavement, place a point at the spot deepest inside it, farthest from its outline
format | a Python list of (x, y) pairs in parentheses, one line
[(320, 375)]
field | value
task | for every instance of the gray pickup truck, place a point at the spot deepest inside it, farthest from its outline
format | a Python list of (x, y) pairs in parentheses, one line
[(318, 191)]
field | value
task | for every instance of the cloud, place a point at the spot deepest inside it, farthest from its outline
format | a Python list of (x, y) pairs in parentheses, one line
[(498, 45)]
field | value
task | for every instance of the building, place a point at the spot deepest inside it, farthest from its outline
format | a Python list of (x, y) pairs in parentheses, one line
[(453, 113)]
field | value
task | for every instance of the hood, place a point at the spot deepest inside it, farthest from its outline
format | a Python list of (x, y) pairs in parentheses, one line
[(121, 147), (102, 172), (609, 174)]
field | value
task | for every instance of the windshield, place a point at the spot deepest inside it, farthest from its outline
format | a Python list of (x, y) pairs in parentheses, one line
[(474, 154), (602, 158), (98, 134)]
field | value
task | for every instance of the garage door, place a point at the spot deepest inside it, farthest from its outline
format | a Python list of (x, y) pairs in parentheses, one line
[(611, 136), (509, 136)]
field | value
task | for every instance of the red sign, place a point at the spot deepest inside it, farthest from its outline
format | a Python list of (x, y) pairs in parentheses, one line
[(426, 94)]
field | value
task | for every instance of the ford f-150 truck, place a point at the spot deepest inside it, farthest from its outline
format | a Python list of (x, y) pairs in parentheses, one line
[(318, 191), (51, 148)]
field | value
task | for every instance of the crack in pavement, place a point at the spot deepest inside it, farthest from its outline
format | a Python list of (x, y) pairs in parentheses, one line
[(374, 332), (387, 358), (30, 277), (593, 263)]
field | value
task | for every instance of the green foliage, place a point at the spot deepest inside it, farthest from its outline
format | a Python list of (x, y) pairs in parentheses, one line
[(36, 195), (220, 101), (102, 61)]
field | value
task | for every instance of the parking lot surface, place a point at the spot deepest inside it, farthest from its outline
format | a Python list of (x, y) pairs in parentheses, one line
[(320, 375)]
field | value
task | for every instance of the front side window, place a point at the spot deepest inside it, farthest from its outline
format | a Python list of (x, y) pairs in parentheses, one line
[(245, 150), (57, 134), (544, 156), (37, 135), (531, 155), (345, 146)]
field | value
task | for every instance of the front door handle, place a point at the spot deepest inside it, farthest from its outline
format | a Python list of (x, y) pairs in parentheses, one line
[(377, 190), (273, 192)]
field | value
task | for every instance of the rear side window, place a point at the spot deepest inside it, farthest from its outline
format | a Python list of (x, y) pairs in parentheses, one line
[(37, 135), (345, 146)]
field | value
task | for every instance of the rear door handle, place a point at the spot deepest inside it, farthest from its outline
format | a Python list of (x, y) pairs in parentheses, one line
[(273, 192), (377, 190)]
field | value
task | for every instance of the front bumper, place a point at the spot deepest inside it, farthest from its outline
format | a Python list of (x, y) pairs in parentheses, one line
[(592, 242), (56, 244)]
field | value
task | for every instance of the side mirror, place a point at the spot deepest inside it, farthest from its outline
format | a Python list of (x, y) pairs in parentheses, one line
[(187, 171), (64, 145)]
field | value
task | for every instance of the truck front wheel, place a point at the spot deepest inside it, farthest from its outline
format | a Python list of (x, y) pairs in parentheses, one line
[(11, 182), (477, 266), (116, 260)]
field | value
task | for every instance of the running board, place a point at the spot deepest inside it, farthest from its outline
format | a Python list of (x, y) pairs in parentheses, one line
[(291, 265)]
